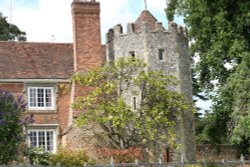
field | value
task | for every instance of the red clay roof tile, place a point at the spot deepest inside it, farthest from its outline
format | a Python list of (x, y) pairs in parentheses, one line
[(145, 17), (36, 60)]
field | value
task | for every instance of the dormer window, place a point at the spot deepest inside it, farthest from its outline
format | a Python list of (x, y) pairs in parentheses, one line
[(41, 98)]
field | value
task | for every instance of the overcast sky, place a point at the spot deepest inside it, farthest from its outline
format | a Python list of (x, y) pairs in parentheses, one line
[(42, 19)]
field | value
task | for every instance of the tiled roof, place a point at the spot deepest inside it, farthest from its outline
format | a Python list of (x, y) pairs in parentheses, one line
[(36, 60), (145, 17)]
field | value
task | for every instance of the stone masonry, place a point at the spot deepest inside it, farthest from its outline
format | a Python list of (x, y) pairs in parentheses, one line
[(146, 38)]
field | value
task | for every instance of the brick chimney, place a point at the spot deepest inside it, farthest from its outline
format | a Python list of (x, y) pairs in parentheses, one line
[(88, 52)]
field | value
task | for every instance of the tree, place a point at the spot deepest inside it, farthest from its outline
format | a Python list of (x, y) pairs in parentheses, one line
[(10, 32), (221, 31), (11, 129), (132, 107)]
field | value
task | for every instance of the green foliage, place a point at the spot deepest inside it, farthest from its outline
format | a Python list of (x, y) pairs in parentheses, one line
[(10, 32), (11, 127), (66, 157), (170, 11), (109, 105), (220, 30), (38, 156)]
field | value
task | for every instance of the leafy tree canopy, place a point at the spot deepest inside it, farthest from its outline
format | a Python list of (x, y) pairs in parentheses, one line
[(220, 30), (10, 32), (131, 106)]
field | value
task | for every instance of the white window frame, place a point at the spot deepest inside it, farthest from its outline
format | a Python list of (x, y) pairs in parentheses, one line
[(52, 107), (45, 137)]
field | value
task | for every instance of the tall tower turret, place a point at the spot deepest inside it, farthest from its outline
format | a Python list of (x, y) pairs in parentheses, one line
[(162, 50)]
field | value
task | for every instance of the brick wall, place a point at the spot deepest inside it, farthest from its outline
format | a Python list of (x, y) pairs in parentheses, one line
[(88, 51), (60, 116)]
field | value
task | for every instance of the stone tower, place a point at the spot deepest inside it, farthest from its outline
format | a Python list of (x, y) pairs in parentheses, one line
[(161, 49)]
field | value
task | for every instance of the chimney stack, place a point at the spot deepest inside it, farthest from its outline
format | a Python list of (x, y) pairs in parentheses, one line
[(88, 52)]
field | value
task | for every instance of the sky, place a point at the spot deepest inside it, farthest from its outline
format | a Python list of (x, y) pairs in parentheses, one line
[(50, 20)]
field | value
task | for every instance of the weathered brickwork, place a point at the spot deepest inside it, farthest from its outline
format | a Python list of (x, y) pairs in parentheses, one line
[(88, 51), (15, 88), (56, 117)]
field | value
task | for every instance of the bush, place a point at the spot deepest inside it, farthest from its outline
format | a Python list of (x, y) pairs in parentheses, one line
[(11, 127), (66, 157), (38, 156)]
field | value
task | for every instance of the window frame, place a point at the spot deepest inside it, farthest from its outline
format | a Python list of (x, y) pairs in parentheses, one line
[(44, 107), (161, 55), (54, 141)]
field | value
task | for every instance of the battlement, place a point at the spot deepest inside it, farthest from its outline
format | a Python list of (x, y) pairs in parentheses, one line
[(176, 29), (173, 28)]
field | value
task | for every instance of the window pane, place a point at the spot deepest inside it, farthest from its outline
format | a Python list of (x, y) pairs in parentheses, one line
[(41, 139), (48, 97), (32, 97), (40, 98), (33, 139), (50, 141)]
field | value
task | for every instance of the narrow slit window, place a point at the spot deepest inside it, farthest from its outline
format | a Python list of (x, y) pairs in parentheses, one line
[(134, 103), (132, 54), (161, 54)]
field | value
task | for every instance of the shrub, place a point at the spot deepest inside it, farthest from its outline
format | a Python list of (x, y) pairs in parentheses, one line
[(38, 156), (11, 126), (66, 157)]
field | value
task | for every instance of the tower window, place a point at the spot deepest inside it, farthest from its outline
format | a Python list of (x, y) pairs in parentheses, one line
[(134, 103), (161, 54), (132, 54)]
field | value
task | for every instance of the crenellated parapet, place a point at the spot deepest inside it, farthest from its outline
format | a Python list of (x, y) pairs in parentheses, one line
[(173, 28), (176, 29)]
